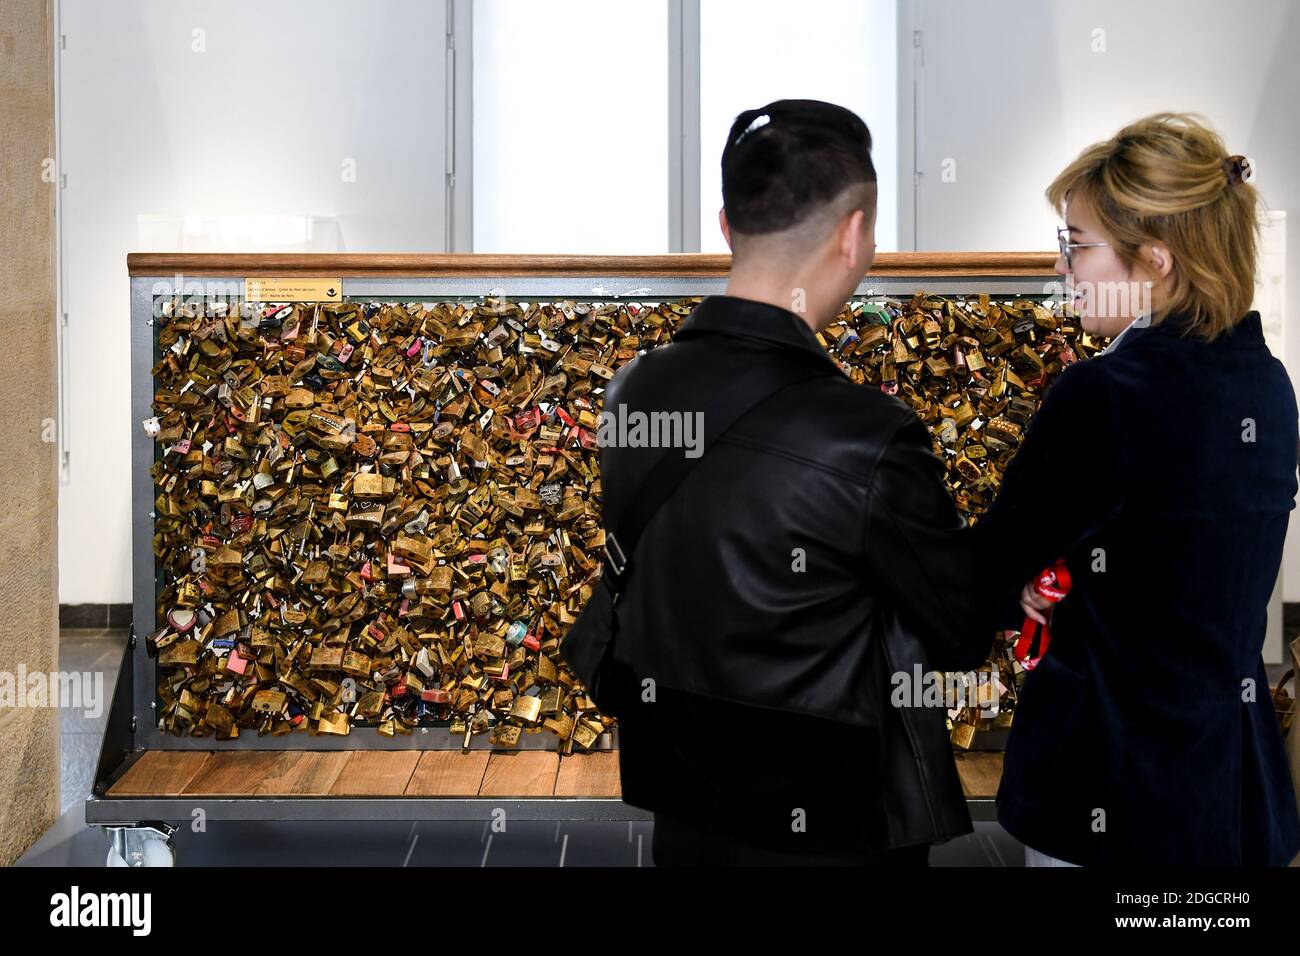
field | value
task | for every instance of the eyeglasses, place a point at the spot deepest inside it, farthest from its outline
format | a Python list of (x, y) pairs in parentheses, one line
[(1063, 237)]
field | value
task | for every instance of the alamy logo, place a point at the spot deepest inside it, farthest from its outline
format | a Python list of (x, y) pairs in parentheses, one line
[(621, 428), (102, 909), (53, 689)]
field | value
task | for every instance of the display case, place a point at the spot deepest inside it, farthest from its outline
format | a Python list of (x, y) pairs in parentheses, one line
[(365, 506)]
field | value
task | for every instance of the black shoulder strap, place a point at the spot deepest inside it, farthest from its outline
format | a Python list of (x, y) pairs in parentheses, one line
[(754, 386)]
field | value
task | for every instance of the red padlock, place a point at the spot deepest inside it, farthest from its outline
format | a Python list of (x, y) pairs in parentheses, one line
[(1052, 583)]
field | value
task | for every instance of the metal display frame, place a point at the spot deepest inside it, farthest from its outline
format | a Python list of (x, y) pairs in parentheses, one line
[(133, 727)]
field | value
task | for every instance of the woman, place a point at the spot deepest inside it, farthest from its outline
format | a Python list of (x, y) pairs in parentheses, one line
[(1163, 472)]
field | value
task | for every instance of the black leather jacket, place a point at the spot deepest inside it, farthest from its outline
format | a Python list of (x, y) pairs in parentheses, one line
[(813, 553)]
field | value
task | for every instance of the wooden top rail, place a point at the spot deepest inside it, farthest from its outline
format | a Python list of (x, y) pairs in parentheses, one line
[(405, 265)]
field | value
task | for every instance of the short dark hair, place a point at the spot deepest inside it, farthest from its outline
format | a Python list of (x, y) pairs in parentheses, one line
[(788, 158)]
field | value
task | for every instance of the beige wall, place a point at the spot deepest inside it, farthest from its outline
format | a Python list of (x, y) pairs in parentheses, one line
[(29, 737)]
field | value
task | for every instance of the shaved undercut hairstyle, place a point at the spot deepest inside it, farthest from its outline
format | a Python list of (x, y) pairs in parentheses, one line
[(791, 170)]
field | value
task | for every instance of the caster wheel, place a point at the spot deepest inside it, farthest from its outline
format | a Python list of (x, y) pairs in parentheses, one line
[(143, 846)]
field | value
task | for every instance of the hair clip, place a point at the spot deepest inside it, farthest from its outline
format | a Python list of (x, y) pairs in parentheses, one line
[(1238, 170), (758, 122)]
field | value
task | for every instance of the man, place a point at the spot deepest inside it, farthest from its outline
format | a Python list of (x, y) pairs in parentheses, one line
[(810, 555)]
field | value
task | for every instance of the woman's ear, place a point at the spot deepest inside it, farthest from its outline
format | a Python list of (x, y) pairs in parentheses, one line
[(1158, 259)]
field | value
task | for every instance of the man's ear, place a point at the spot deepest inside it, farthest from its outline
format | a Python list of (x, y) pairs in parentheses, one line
[(726, 229), (850, 234)]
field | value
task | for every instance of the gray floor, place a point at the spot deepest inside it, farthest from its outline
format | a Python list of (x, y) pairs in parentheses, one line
[(85, 652), (71, 843)]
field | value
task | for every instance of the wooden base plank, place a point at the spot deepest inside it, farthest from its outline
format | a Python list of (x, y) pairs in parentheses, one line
[(249, 773), (430, 773), (521, 773), (448, 773), (589, 775), (376, 773), (160, 773)]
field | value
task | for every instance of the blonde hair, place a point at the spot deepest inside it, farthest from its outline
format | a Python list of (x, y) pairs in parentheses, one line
[(1168, 179)]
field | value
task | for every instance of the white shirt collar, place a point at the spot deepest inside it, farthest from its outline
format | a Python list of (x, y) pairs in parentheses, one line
[(1141, 321)]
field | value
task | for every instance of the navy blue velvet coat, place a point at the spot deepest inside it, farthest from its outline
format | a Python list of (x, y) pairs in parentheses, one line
[(1164, 471)]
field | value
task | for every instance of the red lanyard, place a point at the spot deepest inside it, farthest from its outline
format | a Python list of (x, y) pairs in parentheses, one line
[(1053, 583)]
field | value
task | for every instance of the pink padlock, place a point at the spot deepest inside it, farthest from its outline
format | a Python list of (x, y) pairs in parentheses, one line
[(236, 664)]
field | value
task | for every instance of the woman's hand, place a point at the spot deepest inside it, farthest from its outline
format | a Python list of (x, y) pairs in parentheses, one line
[(1034, 604)]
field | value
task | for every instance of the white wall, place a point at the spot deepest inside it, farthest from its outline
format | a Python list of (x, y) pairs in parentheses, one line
[(223, 126), (570, 112), (1011, 90), (755, 51)]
